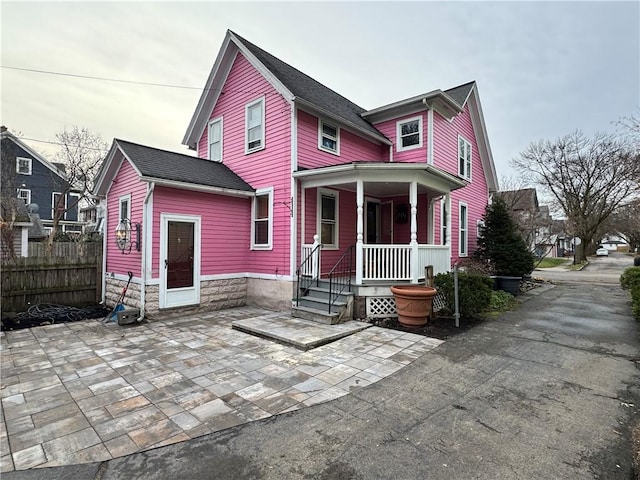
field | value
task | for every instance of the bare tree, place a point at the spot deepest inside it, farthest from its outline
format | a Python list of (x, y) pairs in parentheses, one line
[(588, 178), (81, 152), (625, 222)]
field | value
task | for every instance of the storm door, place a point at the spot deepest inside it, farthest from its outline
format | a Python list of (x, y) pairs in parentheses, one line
[(179, 261)]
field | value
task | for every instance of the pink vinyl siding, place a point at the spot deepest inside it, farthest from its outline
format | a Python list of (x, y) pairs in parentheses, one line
[(223, 249), (389, 129), (270, 167), (352, 147), (476, 194), (125, 183)]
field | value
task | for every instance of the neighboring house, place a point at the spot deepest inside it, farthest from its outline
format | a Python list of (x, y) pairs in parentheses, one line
[(615, 243), (286, 164), (40, 182), (14, 226)]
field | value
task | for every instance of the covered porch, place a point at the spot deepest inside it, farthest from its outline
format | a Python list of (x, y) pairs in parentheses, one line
[(378, 223)]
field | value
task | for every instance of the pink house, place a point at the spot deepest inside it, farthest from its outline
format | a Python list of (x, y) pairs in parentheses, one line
[(297, 193)]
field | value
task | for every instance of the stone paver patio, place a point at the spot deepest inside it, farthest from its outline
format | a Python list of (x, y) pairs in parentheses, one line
[(85, 392)]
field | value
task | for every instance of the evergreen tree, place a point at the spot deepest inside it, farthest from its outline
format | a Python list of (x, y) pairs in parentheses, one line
[(501, 244)]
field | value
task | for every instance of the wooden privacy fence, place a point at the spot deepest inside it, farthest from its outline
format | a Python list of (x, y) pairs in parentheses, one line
[(66, 249), (74, 281)]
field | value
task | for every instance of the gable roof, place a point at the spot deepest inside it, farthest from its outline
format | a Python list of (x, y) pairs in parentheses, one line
[(172, 169), (294, 86), (518, 200), (310, 91), (7, 136), (461, 93)]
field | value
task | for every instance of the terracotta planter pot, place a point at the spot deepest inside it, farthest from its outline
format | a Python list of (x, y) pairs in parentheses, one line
[(413, 303)]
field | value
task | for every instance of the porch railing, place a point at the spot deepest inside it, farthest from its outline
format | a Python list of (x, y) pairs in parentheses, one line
[(340, 275), (394, 262), (309, 270)]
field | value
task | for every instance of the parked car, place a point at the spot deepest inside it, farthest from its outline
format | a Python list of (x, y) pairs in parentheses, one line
[(602, 252)]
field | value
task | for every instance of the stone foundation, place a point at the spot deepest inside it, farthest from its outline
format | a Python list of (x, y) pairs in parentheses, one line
[(214, 295)]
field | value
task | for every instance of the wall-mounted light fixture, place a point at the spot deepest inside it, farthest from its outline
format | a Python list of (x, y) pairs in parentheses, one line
[(127, 236)]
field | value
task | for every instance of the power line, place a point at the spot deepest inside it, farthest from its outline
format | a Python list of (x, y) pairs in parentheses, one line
[(134, 82), (61, 144)]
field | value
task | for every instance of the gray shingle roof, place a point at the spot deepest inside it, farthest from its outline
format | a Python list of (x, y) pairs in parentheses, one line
[(306, 88), (460, 93), (162, 164)]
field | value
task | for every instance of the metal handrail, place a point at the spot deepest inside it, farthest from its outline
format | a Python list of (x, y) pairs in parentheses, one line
[(309, 279), (342, 269)]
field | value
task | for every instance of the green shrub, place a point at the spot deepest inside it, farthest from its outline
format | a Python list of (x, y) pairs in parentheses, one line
[(630, 277), (502, 301), (630, 280), (474, 294)]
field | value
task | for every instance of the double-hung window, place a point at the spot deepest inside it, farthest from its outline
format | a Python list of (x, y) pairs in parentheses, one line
[(59, 205), (443, 222), (262, 223), (464, 158), (215, 140), (328, 137), (254, 126), (25, 194), (328, 218), (23, 166), (463, 238), (409, 134)]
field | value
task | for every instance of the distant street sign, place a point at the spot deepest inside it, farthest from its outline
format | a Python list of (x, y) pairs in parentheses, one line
[(576, 241)]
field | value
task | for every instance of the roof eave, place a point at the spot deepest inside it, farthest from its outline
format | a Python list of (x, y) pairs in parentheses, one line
[(198, 187), (438, 99), (380, 138)]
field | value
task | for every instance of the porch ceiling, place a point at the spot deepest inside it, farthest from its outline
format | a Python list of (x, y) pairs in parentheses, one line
[(382, 179)]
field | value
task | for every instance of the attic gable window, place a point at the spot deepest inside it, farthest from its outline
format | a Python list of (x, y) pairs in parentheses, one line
[(328, 137), (215, 140), (254, 126), (409, 134), (23, 166), (464, 158), (25, 194)]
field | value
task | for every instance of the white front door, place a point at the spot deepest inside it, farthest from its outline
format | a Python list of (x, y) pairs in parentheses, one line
[(179, 260)]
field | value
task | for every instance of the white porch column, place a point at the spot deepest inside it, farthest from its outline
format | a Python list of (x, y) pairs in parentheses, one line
[(413, 200), (359, 230), (430, 219)]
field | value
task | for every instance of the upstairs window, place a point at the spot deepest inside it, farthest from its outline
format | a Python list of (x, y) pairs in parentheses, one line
[(254, 126), (409, 134), (262, 219), (444, 218), (59, 205), (328, 137), (328, 218), (215, 140), (23, 166), (25, 195), (464, 158), (125, 208)]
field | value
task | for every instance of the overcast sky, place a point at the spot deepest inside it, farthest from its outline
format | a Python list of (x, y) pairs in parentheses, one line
[(543, 69)]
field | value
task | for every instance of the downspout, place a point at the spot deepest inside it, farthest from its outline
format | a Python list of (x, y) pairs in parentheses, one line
[(391, 153), (429, 132), (145, 236)]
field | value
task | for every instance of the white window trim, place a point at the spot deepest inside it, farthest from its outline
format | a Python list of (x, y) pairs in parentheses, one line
[(20, 190), (444, 222), (261, 101), (18, 165), (321, 123), (460, 229), (465, 174), (211, 123), (399, 123), (53, 205), (332, 193), (269, 245), (75, 201), (122, 199)]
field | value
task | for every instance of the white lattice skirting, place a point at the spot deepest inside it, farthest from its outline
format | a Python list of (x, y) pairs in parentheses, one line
[(385, 307)]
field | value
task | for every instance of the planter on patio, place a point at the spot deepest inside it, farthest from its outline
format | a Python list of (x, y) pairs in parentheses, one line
[(413, 303)]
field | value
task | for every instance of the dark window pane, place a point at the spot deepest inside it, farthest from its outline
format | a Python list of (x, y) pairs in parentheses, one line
[(328, 208), (326, 234), (262, 206), (410, 140), (261, 236)]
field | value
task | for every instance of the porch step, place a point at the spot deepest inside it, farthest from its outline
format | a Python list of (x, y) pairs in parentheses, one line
[(323, 292), (321, 304), (315, 315)]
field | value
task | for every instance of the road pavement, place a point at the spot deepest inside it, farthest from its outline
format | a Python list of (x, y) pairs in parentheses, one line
[(547, 391), (600, 270)]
